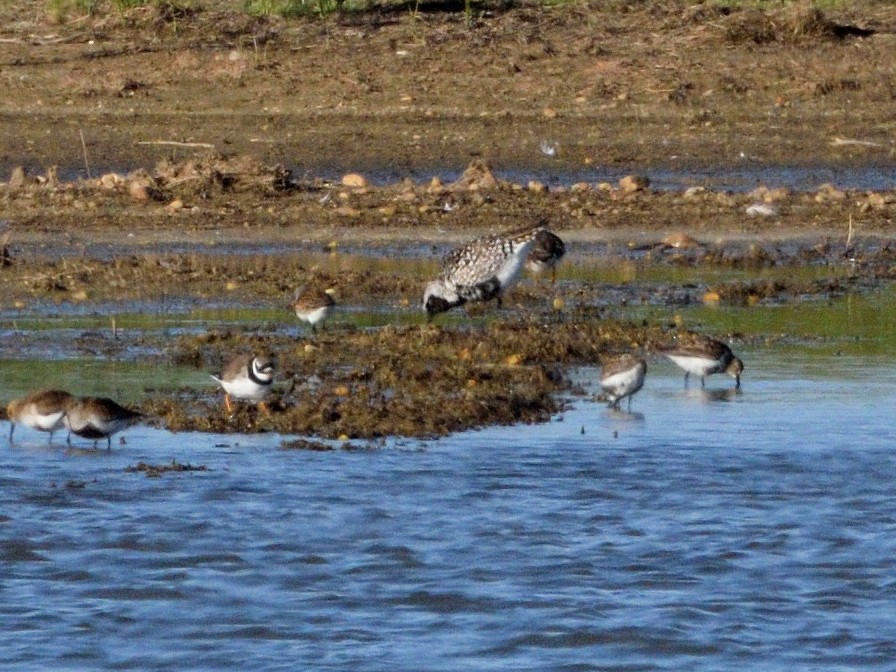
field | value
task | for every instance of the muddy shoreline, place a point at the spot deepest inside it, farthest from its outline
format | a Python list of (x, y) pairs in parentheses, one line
[(162, 157)]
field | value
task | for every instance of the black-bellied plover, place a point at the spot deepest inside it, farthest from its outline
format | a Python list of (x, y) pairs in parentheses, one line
[(704, 356), (247, 378), (97, 418), (43, 410), (313, 305), (481, 270), (622, 376)]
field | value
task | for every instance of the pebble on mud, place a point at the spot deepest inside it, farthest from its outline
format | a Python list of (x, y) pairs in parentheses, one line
[(681, 241), (18, 178), (355, 180), (827, 192), (111, 181), (762, 210), (477, 176), (632, 183)]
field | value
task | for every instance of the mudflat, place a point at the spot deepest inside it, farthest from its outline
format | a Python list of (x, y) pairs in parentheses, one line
[(207, 153)]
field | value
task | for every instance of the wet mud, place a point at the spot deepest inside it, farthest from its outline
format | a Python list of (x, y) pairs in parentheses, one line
[(164, 185)]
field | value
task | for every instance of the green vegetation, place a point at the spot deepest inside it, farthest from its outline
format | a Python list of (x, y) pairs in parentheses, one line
[(855, 324)]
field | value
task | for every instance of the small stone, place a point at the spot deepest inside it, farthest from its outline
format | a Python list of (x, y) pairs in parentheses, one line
[(175, 205), (347, 211), (680, 241), (762, 210), (692, 193), (632, 183), (139, 191), (536, 187), (828, 192), (355, 180), (18, 178), (111, 180), (477, 176)]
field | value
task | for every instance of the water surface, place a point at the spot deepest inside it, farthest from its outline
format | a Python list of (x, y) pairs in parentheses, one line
[(707, 530)]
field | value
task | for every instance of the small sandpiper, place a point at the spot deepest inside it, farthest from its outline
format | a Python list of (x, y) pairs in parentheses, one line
[(247, 378), (704, 356), (313, 305), (622, 376), (43, 410), (481, 270), (547, 251), (97, 418)]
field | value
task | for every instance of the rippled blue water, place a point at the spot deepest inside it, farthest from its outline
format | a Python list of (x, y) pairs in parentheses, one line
[(706, 531)]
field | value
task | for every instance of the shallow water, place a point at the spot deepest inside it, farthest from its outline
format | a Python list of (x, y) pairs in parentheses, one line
[(707, 530)]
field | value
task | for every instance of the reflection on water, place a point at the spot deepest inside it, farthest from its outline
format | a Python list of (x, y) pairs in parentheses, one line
[(706, 530)]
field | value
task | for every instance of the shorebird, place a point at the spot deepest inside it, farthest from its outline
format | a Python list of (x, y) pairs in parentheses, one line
[(43, 410), (97, 418), (546, 252), (313, 305), (481, 270), (621, 377), (704, 356), (247, 377)]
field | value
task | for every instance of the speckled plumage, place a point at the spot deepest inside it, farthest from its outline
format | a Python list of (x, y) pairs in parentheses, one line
[(547, 251), (312, 305), (43, 410), (246, 377), (481, 270), (704, 356), (621, 377), (97, 418)]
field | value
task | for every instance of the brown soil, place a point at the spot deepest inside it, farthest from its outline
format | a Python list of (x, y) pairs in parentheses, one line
[(158, 145)]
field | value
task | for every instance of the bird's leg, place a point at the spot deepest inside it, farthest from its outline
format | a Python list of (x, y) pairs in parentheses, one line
[(686, 374), (109, 442), (264, 408), (702, 381), (227, 404), (12, 427)]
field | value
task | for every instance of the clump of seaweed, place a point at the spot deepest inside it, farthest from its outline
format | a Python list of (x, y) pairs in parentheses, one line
[(414, 381), (156, 470)]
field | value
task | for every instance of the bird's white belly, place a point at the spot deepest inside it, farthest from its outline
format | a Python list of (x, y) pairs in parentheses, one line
[(245, 389), (46, 423), (699, 366), (316, 315), (511, 269), (623, 382)]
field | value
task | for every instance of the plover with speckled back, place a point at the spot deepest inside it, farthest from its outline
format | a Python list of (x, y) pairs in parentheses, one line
[(704, 356), (481, 270), (43, 410), (622, 376), (97, 418), (547, 251), (247, 378), (313, 305)]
